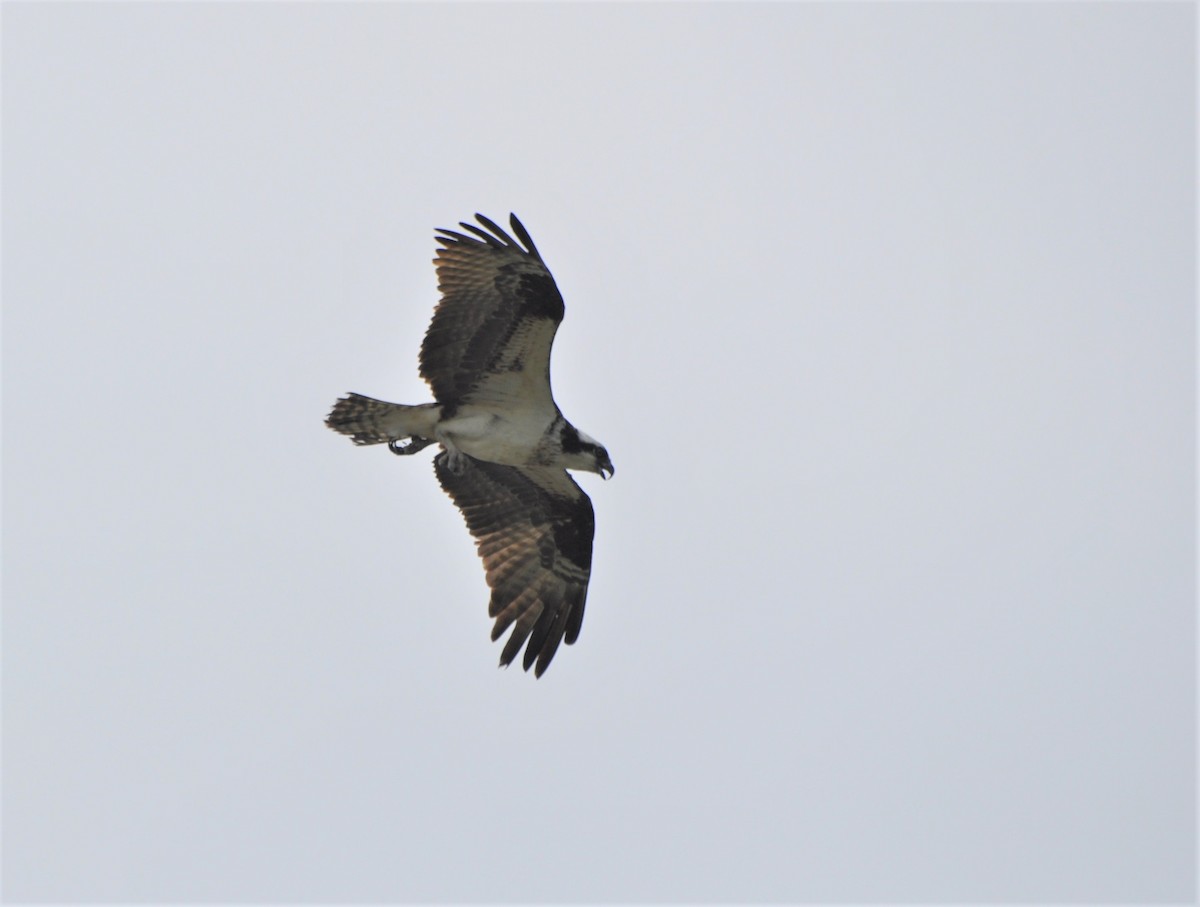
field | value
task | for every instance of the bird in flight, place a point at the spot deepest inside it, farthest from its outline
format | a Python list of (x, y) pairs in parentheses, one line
[(505, 446)]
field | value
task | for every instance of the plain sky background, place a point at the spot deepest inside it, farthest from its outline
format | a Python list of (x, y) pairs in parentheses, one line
[(885, 313)]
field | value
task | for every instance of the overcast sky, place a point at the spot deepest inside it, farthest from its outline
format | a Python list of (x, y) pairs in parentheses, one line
[(885, 314)]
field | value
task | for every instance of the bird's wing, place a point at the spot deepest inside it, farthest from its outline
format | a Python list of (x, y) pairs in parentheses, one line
[(533, 528), (490, 338)]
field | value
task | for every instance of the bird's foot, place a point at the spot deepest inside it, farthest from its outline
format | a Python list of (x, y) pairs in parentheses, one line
[(414, 444)]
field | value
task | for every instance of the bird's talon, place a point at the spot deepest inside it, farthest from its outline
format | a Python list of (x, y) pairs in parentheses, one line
[(414, 444)]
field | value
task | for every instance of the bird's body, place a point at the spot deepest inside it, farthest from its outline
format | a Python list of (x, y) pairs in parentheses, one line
[(505, 444)]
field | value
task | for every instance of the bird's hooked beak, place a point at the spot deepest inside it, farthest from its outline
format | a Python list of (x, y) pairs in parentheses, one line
[(606, 469)]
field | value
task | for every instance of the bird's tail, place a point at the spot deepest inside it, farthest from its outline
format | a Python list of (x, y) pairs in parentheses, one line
[(368, 421)]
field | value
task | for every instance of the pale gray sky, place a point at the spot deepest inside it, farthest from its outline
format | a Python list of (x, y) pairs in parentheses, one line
[(885, 313)]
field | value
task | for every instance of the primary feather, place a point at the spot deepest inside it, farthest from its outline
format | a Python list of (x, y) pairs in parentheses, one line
[(505, 446)]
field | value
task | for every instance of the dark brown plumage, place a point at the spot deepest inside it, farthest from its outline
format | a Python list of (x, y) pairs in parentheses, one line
[(506, 447), (493, 291), (533, 529)]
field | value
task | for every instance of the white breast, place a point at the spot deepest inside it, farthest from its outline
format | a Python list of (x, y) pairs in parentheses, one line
[(511, 438)]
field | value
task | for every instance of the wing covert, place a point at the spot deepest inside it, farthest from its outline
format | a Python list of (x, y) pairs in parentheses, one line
[(533, 528), (496, 319)]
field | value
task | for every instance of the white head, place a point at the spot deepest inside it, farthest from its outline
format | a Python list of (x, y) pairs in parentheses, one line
[(581, 451)]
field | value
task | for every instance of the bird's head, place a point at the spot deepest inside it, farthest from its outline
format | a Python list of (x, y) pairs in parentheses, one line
[(581, 451), (604, 464)]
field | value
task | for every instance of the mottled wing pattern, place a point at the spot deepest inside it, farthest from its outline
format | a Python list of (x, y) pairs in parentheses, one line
[(491, 334), (533, 528)]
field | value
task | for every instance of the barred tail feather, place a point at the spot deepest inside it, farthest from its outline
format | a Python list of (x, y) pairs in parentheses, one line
[(368, 421)]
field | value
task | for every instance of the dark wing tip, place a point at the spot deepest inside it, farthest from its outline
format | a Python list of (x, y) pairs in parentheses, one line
[(494, 235), (496, 229), (523, 236), (451, 237), (499, 240)]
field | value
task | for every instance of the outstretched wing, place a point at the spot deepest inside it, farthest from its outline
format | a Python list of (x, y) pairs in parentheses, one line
[(533, 528), (489, 341)]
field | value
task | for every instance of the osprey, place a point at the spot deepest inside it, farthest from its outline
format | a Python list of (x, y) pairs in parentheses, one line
[(505, 446)]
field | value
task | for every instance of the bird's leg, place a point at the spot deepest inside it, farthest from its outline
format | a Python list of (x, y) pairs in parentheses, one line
[(456, 460), (414, 444)]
